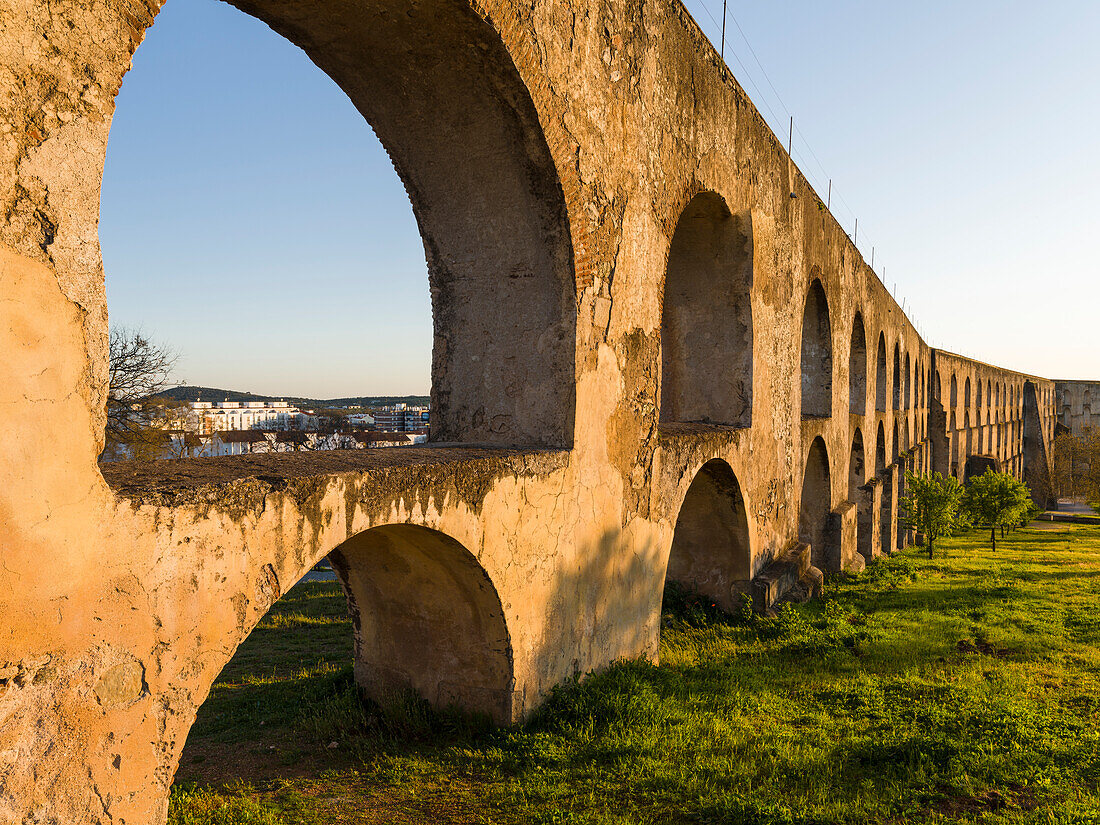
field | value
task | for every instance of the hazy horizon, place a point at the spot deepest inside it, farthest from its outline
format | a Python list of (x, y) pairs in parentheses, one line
[(251, 221)]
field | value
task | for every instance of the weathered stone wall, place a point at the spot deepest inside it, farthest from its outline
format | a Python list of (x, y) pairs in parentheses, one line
[(550, 151)]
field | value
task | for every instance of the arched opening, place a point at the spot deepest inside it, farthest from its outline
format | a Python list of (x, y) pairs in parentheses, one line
[(954, 391), (816, 504), (907, 400), (443, 96), (897, 377), (857, 368), (969, 450), (976, 465), (817, 355), (905, 463), (881, 377), (706, 325), (860, 495), (939, 387), (978, 401), (301, 650), (966, 395), (887, 497), (711, 553), (427, 618), (880, 452), (404, 615)]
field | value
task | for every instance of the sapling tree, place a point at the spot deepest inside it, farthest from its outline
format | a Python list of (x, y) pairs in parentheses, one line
[(996, 500), (932, 505)]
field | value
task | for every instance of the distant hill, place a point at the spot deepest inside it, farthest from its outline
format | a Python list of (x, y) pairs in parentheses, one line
[(215, 394)]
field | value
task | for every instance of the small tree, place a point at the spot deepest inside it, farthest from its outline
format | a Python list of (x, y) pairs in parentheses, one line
[(932, 505), (996, 500)]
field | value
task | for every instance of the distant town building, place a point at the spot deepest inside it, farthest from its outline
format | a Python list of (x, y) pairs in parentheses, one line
[(206, 417), (401, 418), (225, 428), (416, 418)]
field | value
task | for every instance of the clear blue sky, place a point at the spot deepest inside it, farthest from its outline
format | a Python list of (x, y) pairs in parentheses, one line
[(251, 220)]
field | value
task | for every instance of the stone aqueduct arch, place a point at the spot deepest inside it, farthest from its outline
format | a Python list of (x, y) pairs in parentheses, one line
[(585, 438)]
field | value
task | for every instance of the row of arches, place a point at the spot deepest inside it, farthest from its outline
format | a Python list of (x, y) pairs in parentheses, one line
[(707, 330), (712, 548), (907, 386), (999, 422), (1005, 397), (454, 647)]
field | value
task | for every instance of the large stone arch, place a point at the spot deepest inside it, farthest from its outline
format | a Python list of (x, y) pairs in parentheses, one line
[(907, 396), (711, 550), (897, 382), (706, 321), (1035, 460), (880, 451), (427, 618), (442, 91), (904, 464), (885, 474), (882, 379), (817, 354), (857, 368), (860, 495), (815, 504), (976, 465)]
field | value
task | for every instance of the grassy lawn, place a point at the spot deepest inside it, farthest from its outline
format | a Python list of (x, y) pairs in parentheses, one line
[(962, 689)]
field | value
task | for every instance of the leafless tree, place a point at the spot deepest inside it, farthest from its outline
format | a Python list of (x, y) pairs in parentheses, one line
[(139, 369)]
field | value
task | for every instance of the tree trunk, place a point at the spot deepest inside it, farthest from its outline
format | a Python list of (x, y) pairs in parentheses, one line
[(993, 536), (929, 540)]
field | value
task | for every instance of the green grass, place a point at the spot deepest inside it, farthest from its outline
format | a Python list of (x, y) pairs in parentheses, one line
[(962, 689)]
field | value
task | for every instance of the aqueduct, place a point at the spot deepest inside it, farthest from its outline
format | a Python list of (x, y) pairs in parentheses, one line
[(655, 351)]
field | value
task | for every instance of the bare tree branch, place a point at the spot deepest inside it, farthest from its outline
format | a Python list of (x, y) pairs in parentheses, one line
[(139, 369)]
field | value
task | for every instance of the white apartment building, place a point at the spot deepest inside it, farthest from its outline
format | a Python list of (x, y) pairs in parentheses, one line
[(220, 416)]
